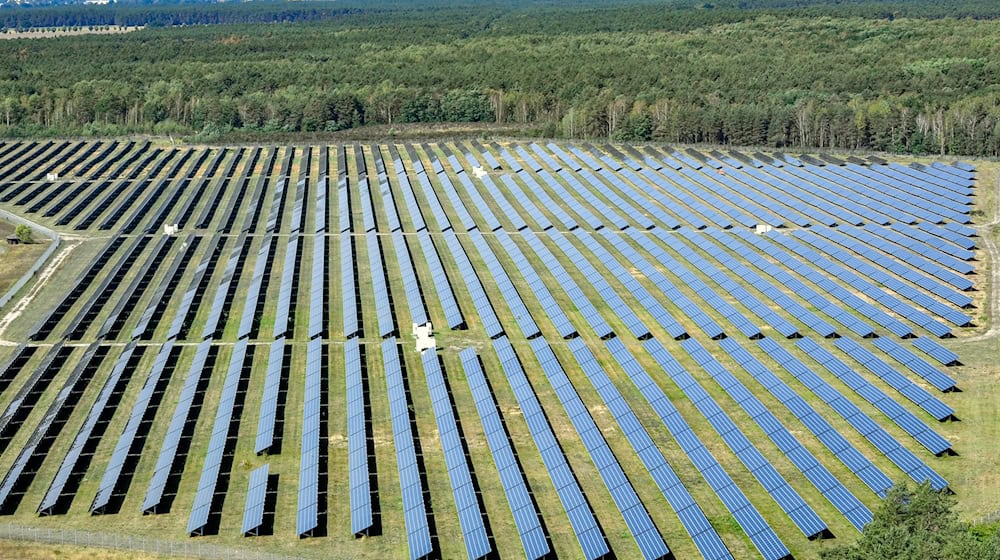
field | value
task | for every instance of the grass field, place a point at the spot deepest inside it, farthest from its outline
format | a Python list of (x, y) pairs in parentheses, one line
[(16, 259), (970, 473)]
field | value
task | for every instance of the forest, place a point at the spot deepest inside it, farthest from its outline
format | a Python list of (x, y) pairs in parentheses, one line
[(916, 77)]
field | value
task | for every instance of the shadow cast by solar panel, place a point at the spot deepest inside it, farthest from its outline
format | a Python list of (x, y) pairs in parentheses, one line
[(421, 468), (233, 285), (376, 527), (215, 200), (32, 391), (199, 293), (357, 290), (79, 470), (229, 452), (170, 487), (270, 507), (420, 287), (96, 303), (572, 473), (51, 432), (388, 292), (171, 288), (242, 185), (322, 504), (47, 324), (468, 460), (142, 432), (296, 275), (279, 409), (124, 308), (517, 461), (12, 368)]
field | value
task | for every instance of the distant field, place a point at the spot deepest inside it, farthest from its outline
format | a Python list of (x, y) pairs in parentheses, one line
[(616, 331), (46, 32)]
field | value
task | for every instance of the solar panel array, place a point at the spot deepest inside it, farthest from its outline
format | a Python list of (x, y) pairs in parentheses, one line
[(307, 520), (415, 512), (762, 332)]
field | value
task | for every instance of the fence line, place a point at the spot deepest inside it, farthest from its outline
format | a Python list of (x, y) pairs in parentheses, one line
[(31, 272), (988, 518), (189, 548)]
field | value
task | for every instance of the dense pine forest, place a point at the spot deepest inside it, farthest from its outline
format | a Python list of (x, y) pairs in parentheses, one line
[(916, 77)]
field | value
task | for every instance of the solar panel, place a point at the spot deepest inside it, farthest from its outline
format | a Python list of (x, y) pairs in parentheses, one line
[(30, 391), (253, 512), (833, 270), (492, 223), (269, 401), (178, 422), (446, 297), (832, 489), (479, 298), (411, 285), (82, 441), (307, 520), (411, 488), (349, 287), (282, 326), (510, 294), (569, 201), (526, 518), (249, 317), (569, 285), (562, 217), (636, 517), (205, 494), (367, 212), (317, 288), (357, 440), (899, 415), (344, 206), (383, 305), (588, 532), (216, 320), (896, 380), (470, 516), (549, 305), (444, 224), (456, 201), (522, 199), (498, 198), (321, 204), (804, 517), (126, 445), (412, 206), (625, 277), (609, 297), (610, 216), (936, 351), (388, 202), (691, 516), (13, 484)]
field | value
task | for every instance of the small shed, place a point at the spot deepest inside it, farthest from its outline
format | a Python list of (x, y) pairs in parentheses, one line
[(13, 240)]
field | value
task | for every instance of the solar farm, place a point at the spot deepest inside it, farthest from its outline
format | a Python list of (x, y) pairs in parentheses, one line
[(471, 350)]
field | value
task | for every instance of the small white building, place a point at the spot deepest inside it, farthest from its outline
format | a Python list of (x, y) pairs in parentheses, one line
[(425, 337), (171, 229)]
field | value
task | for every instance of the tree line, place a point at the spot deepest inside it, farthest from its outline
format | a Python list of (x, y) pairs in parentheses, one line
[(769, 72)]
